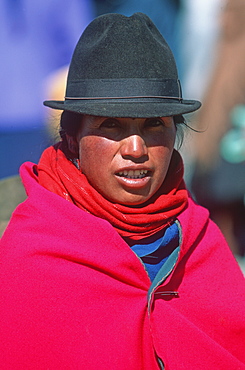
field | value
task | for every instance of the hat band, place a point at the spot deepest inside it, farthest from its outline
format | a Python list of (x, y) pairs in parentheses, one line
[(93, 89)]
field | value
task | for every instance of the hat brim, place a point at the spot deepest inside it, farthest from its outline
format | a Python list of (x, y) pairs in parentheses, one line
[(126, 109)]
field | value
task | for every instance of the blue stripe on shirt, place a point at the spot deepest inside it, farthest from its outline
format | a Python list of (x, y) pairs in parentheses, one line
[(154, 251)]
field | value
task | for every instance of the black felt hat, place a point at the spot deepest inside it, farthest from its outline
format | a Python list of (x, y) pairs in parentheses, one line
[(123, 67)]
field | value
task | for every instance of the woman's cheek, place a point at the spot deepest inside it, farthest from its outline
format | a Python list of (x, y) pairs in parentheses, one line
[(94, 153)]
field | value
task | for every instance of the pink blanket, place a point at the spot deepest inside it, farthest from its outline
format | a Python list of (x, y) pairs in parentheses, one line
[(74, 295)]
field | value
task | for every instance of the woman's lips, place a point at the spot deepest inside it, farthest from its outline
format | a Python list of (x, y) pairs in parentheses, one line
[(133, 174), (134, 178)]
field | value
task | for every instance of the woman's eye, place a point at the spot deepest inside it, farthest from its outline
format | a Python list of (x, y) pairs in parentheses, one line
[(154, 122), (109, 123)]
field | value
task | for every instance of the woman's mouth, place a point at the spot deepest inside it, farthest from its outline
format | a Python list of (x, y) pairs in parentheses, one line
[(133, 174), (134, 179)]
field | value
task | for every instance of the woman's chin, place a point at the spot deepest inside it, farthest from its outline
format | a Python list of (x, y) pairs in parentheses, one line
[(131, 199)]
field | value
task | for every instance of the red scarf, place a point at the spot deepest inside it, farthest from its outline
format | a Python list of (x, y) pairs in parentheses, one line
[(59, 175)]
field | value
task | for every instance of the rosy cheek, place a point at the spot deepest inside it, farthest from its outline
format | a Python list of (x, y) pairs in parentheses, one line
[(94, 150), (102, 149)]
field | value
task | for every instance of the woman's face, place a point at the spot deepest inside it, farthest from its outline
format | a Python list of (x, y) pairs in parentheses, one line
[(126, 159)]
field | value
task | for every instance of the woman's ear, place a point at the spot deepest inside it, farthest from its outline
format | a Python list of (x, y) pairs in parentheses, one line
[(72, 145)]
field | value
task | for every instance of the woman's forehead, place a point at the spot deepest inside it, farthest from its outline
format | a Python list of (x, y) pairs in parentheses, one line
[(90, 118)]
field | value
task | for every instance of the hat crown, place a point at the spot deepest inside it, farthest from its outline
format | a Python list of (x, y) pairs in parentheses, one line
[(123, 67), (115, 46)]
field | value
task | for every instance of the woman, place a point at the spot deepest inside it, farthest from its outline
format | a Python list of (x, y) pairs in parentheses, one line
[(109, 263)]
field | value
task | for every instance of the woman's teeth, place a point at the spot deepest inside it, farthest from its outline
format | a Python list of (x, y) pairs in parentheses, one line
[(133, 174)]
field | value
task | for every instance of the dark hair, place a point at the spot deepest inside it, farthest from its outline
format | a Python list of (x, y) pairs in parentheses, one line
[(180, 123), (70, 122)]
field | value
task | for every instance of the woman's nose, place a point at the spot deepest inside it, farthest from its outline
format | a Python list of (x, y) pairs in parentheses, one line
[(134, 146)]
